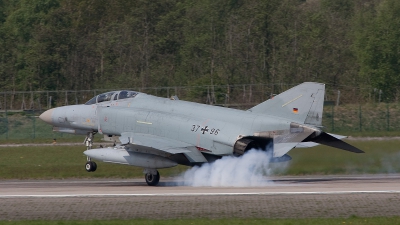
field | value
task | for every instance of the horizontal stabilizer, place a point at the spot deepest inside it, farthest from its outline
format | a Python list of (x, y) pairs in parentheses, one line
[(329, 140), (310, 144)]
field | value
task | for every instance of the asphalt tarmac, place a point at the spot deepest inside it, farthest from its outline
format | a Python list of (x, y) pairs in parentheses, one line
[(280, 197)]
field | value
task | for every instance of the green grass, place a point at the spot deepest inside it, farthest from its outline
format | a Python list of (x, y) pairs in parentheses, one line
[(65, 138), (59, 162), (347, 221), (381, 133), (20, 128), (380, 157), (44, 162)]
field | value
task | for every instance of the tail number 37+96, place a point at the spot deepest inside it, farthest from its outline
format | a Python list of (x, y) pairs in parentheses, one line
[(206, 129)]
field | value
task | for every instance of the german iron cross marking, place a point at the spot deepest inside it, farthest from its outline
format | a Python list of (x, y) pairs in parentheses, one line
[(205, 129)]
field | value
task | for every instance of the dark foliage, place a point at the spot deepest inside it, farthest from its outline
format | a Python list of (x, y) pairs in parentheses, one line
[(86, 44)]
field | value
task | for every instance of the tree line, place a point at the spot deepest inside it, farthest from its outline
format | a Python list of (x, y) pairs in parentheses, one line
[(95, 44)]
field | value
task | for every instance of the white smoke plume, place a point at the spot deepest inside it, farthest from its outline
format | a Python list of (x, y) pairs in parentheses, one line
[(248, 170)]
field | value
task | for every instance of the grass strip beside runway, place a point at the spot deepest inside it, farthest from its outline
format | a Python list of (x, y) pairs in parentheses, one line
[(342, 221), (59, 162)]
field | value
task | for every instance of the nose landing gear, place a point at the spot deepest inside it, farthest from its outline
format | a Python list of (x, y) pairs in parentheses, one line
[(89, 140), (90, 166)]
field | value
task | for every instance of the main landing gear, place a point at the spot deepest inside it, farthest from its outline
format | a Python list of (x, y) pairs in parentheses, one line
[(152, 176), (90, 166)]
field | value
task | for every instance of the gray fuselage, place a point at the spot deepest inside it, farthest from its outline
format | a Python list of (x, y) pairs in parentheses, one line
[(212, 129)]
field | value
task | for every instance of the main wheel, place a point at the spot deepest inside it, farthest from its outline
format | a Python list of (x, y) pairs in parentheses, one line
[(151, 179), (90, 166)]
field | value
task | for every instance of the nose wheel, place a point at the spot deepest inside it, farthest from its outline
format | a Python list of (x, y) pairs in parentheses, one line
[(152, 177), (90, 166)]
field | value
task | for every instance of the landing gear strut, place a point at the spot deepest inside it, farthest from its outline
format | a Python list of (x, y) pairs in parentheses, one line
[(152, 177), (90, 166), (89, 140)]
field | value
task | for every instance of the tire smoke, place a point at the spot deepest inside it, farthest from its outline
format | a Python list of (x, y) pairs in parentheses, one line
[(248, 170)]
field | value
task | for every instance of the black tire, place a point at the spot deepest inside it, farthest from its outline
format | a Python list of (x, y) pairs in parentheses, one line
[(89, 166), (152, 180), (94, 166)]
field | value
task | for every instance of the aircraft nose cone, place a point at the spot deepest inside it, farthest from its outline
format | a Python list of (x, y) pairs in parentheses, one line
[(46, 116)]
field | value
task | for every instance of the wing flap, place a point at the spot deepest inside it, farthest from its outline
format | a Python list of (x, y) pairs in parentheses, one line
[(152, 141), (195, 156)]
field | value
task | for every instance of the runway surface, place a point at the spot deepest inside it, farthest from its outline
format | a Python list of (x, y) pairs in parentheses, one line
[(281, 197)]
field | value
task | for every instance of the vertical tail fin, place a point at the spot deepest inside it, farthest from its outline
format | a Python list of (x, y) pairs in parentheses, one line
[(302, 103)]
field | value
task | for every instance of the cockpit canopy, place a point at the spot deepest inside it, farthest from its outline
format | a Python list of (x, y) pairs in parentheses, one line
[(113, 95)]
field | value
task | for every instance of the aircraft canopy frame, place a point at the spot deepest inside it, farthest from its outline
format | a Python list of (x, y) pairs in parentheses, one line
[(111, 96)]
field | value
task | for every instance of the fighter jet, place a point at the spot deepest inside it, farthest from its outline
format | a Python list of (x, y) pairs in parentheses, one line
[(157, 132)]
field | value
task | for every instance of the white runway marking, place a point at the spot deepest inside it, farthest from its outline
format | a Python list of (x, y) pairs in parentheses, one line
[(203, 194)]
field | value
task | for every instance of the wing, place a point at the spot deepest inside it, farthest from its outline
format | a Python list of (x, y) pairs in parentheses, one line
[(156, 145)]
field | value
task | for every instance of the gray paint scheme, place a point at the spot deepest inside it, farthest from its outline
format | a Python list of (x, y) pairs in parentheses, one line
[(167, 128)]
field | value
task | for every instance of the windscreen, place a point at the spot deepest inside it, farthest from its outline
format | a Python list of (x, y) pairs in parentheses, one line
[(105, 97), (127, 94), (91, 101), (100, 98)]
